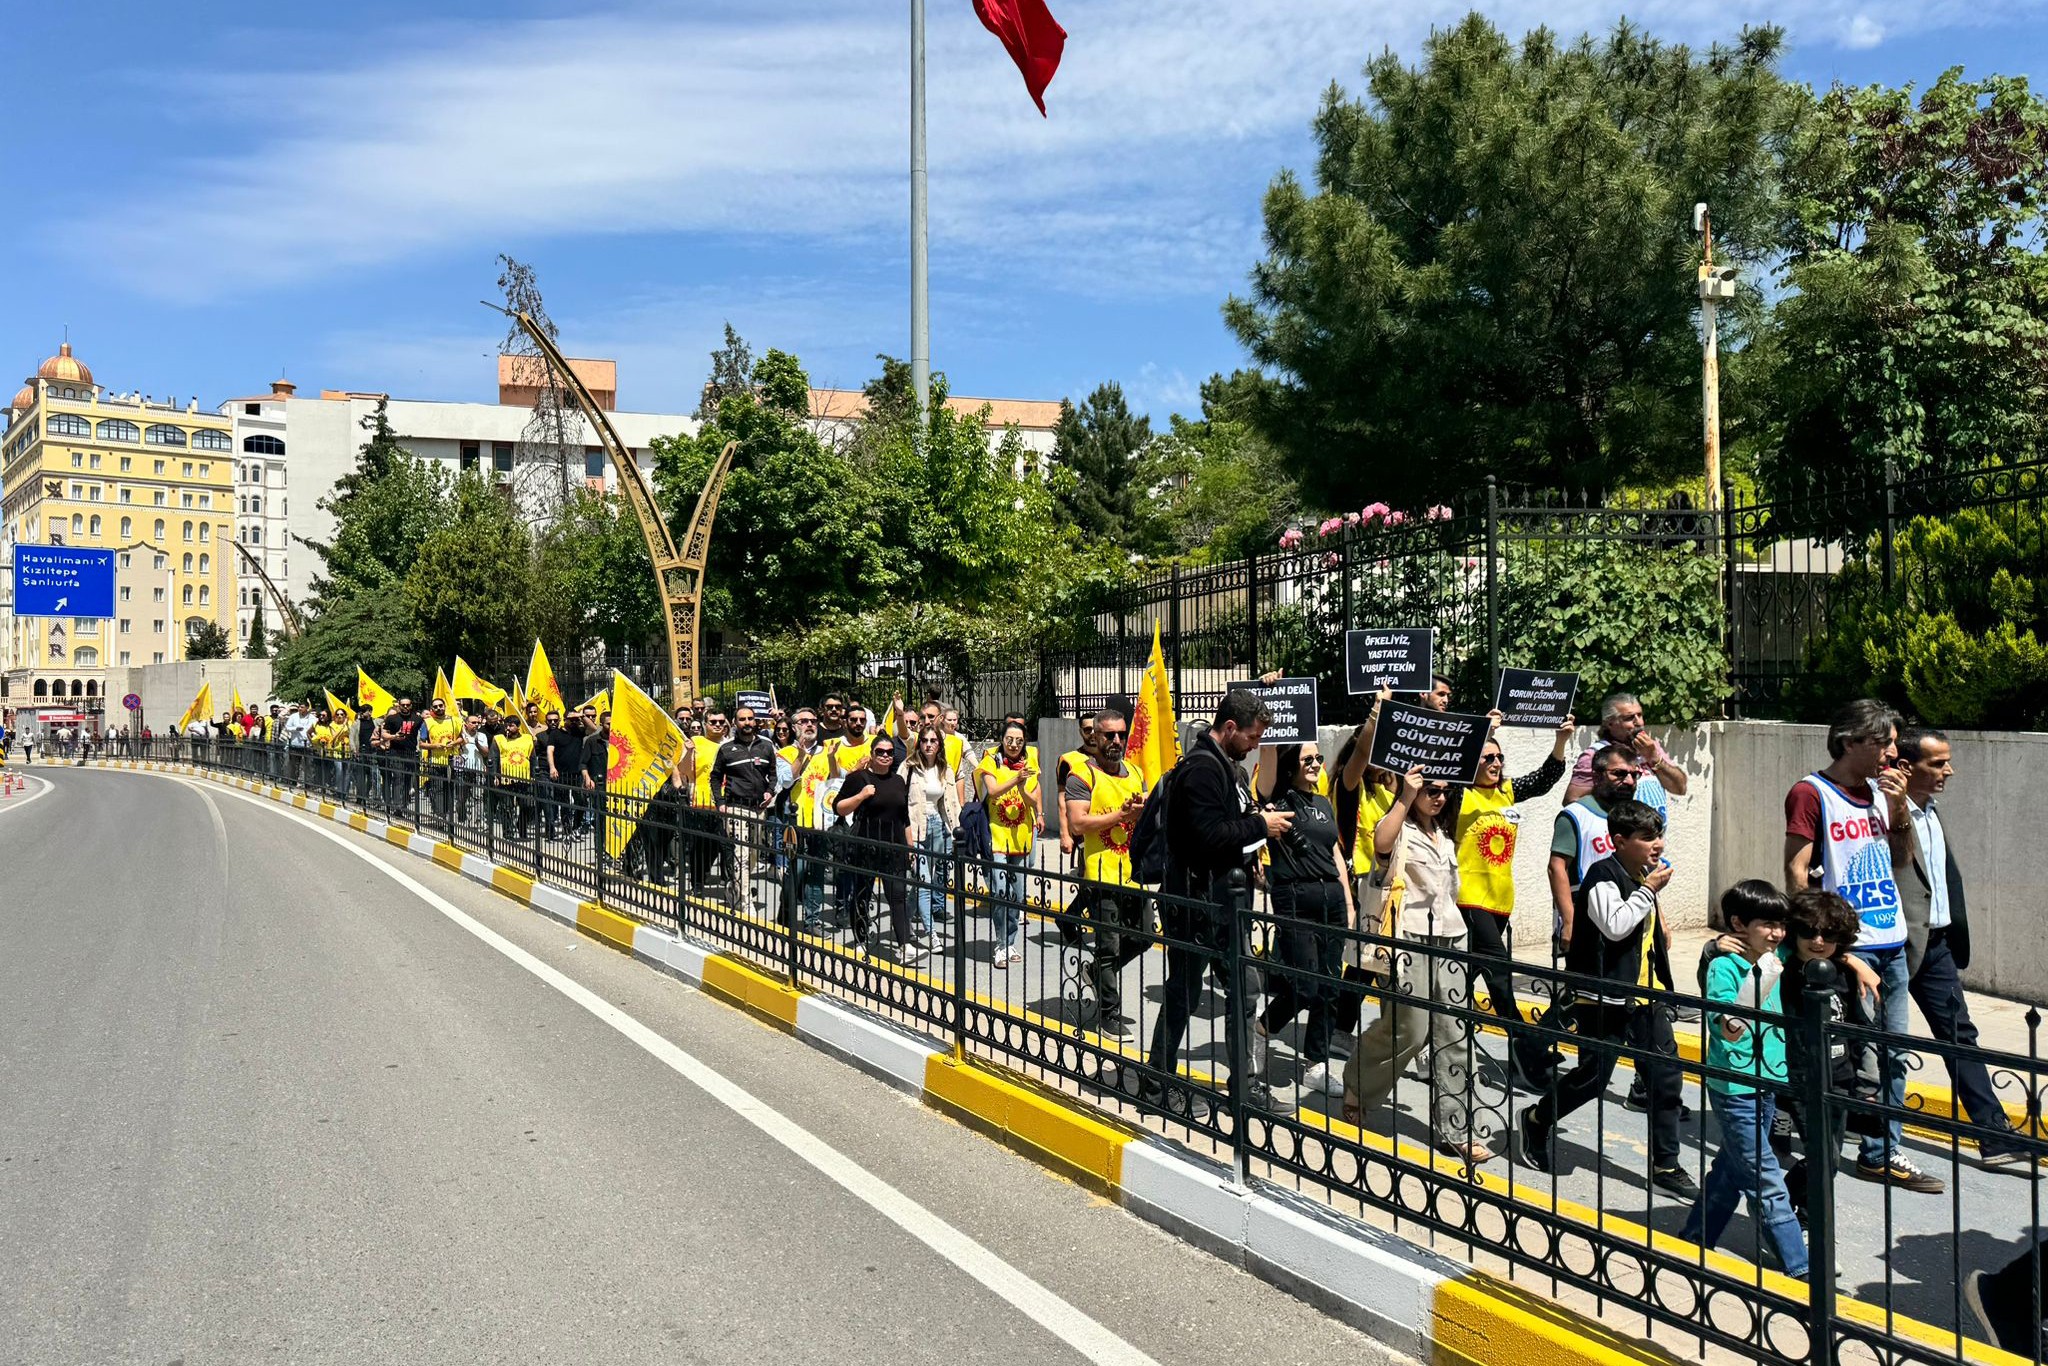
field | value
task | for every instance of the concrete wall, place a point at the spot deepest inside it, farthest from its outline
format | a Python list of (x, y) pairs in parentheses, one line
[(167, 689), (2003, 866)]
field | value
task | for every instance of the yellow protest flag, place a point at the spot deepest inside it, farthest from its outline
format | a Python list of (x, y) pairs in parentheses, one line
[(467, 684), (515, 701), (201, 708), (1155, 738), (371, 694), (444, 692), (540, 682), (341, 710), (235, 700), (601, 702), (644, 747)]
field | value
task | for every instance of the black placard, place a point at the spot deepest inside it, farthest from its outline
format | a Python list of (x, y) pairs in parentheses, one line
[(761, 702), (1445, 743), (1400, 658), (1295, 713), (1537, 698)]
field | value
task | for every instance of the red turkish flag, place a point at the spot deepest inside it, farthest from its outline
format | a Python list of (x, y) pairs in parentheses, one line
[(1033, 38)]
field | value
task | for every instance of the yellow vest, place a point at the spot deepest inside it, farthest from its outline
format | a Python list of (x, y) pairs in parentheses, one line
[(1486, 850), (707, 754), (955, 749), (443, 732), (808, 786), (1012, 817), (515, 756), (1106, 854)]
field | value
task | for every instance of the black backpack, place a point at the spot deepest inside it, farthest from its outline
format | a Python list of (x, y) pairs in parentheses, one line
[(1148, 839)]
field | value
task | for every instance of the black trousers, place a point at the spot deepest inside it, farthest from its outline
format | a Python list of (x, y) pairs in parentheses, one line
[(1603, 1029), (892, 866), (1187, 967), (1938, 990), (1488, 940), (1311, 958), (1120, 919)]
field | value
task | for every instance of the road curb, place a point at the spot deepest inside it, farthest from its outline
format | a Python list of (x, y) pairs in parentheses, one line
[(1411, 1299)]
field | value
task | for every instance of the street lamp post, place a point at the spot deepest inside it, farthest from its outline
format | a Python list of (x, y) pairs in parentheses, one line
[(1715, 283)]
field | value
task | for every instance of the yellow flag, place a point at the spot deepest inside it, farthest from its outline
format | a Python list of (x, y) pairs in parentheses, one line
[(235, 700), (371, 694), (644, 747), (1155, 738), (445, 693), (342, 711), (201, 708), (467, 685), (515, 701), (601, 701), (540, 682)]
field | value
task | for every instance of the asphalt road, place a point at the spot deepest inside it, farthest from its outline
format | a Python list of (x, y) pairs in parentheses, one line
[(263, 1102)]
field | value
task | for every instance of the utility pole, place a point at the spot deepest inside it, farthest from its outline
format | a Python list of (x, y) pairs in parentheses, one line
[(920, 313), (1716, 283)]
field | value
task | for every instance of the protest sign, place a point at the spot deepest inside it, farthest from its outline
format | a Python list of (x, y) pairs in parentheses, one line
[(761, 702), (1400, 659), (1293, 701), (1445, 743), (1535, 697)]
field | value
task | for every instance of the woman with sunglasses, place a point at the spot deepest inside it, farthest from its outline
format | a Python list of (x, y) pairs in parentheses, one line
[(1311, 891), (1006, 780), (1487, 819), (934, 785), (877, 801), (1416, 835)]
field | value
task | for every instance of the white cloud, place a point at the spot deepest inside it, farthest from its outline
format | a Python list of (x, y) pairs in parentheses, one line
[(1166, 122)]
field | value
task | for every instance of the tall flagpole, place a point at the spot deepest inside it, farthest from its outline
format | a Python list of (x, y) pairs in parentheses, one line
[(920, 315)]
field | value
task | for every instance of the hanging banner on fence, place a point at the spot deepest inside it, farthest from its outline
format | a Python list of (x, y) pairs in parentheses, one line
[(1295, 713), (1445, 743), (1534, 697), (1400, 659), (761, 702)]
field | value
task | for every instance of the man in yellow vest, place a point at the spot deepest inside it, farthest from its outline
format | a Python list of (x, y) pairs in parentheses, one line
[(1102, 807), (444, 734)]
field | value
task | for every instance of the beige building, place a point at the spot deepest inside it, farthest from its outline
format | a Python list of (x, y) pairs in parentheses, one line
[(151, 480)]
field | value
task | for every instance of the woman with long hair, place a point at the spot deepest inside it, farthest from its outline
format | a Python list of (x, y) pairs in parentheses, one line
[(934, 816), (1311, 891), (1006, 780)]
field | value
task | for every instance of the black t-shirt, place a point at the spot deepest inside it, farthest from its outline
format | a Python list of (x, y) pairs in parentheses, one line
[(404, 733), (597, 754), (884, 816), (566, 749), (1304, 853)]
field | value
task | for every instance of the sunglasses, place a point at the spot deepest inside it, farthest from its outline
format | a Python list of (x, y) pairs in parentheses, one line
[(885, 754), (1110, 737), (1490, 759), (1313, 761), (1832, 937), (1436, 790)]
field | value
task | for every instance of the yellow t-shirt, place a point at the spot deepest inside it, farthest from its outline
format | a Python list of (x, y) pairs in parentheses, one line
[(955, 747), (442, 736), (515, 756), (1013, 815), (1374, 802), (810, 784), (1106, 854), (1487, 824)]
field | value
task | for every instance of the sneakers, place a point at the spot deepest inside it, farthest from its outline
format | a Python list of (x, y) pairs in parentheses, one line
[(912, 952), (1676, 1181), (1536, 1152), (2002, 1159), (1320, 1080), (1900, 1171)]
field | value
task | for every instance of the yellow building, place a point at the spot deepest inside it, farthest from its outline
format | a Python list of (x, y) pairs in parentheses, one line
[(155, 482)]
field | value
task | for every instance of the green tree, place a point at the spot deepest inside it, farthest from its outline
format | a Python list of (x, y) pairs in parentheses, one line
[(732, 369), (1219, 489), (384, 509), (593, 580), (364, 629), (1494, 272), (1915, 326), (259, 639), (1096, 449), (208, 640), (469, 589)]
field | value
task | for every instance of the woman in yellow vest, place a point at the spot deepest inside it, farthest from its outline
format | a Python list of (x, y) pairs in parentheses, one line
[(1488, 822), (515, 776), (321, 740), (1006, 780)]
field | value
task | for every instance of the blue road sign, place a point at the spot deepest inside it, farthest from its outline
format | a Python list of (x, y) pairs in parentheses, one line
[(57, 581)]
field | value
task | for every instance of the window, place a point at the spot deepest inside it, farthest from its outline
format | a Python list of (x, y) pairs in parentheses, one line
[(188, 595), (126, 559), (206, 532), (158, 657), (242, 503), (77, 524), (593, 462), (206, 500), (93, 462), (470, 457), (164, 434), (127, 495), (186, 566), (42, 688), (124, 592), (256, 505), (160, 498), (252, 409), (188, 531), (262, 445), (127, 534), (156, 594), (124, 654), (86, 658), (255, 535), (127, 463), (205, 592), (206, 564), (92, 493), (159, 467), (67, 424), (211, 441), (93, 527), (77, 493), (119, 429), (159, 561), (501, 456), (77, 461), (187, 467)]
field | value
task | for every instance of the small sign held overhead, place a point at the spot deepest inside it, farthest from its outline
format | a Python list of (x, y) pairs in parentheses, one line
[(1401, 658), (1293, 702)]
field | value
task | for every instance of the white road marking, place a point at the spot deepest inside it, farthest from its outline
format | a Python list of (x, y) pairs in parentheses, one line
[(35, 796), (1048, 1310)]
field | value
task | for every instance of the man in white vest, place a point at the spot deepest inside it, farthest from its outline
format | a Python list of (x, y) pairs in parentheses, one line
[(1846, 828)]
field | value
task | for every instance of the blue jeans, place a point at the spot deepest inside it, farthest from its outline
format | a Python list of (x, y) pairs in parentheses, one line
[(932, 870), (1745, 1165), (1007, 907), (1893, 1018)]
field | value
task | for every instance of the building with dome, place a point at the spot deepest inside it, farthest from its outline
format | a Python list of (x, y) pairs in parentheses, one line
[(149, 479)]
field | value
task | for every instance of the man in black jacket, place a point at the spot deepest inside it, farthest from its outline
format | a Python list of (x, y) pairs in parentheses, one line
[(557, 762), (1213, 837), (1938, 939)]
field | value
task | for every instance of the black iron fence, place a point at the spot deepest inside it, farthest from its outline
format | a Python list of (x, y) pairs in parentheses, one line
[(1424, 1080)]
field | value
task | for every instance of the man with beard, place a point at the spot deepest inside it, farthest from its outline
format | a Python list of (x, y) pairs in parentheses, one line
[(743, 783)]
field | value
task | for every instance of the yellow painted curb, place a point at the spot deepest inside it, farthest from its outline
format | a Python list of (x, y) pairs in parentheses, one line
[(605, 926), (398, 835), (754, 992), (1077, 1145), (515, 885), (358, 821), (1481, 1321), (327, 810), (448, 856)]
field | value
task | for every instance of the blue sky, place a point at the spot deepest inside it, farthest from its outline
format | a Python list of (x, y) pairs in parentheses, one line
[(210, 194)]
